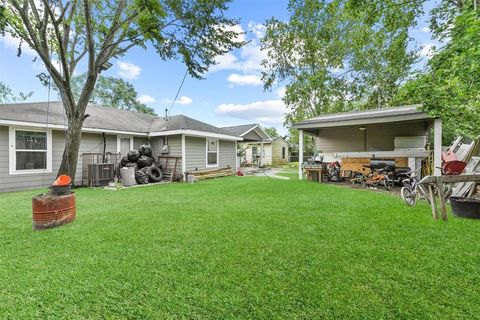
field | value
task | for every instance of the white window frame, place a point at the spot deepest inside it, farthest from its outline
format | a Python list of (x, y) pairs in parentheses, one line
[(119, 139), (12, 154), (206, 153)]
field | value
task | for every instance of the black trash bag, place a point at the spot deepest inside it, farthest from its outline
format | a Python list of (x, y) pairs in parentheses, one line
[(124, 161), (154, 173), (142, 176), (132, 165), (144, 161), (145, 150), (133, 155)]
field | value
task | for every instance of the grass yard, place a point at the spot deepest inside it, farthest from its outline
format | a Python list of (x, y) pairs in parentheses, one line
[(251, 247)]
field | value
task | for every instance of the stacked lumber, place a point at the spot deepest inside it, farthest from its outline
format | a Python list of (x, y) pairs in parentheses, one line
[(361, 164), (212, 173)]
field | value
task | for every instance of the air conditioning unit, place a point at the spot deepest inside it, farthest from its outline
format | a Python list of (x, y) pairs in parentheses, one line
[(100, 174), (165, 149)]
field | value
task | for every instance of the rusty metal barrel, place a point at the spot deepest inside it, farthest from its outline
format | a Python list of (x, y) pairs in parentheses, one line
[(51, 211)]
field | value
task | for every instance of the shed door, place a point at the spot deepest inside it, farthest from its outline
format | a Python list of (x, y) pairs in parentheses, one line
[(124, 146)]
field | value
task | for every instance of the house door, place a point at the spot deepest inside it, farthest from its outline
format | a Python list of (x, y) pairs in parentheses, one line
[(125, 144)]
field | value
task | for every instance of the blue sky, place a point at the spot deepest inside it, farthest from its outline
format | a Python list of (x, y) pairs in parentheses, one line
[(231, 94)]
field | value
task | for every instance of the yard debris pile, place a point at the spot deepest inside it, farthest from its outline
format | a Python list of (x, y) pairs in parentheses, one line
[(462, 158), (146, 170)]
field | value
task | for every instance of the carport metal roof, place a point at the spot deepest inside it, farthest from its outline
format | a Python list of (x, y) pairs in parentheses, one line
[(383, 115)]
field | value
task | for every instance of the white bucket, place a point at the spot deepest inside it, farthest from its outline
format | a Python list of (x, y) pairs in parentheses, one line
[(128, 176), (191, 178)]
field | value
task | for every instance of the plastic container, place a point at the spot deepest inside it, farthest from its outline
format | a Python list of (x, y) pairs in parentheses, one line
[(191, 178), (128, 176), (465, 207), (62, 180)]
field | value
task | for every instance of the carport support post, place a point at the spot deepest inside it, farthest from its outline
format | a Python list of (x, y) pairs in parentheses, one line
[(300, 154), (437, 147)]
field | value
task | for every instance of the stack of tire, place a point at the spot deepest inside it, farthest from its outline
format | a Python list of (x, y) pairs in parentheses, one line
[(146, 170)]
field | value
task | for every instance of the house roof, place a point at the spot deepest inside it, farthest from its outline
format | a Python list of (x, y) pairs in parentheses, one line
[(381, 115), (103, 118), (181, 122), (280, 138), (244, 129), (240, 130)]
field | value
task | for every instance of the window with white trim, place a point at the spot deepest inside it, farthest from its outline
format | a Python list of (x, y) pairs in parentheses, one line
[(30, 151), (212, 152)]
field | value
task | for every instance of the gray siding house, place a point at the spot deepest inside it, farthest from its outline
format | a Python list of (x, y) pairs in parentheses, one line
[(32, 139)]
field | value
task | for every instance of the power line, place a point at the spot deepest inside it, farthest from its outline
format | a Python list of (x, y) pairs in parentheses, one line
[(178, 91)]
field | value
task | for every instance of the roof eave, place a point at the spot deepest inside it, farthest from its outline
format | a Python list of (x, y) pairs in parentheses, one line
[(195, 133), (63, 127), (308, 124)]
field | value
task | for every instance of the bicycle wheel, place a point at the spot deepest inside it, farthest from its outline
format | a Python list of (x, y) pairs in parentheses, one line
[(408, 196), (385, 183)]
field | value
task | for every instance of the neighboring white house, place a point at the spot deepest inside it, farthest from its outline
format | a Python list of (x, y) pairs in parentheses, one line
[(258, 147), (275, 151)]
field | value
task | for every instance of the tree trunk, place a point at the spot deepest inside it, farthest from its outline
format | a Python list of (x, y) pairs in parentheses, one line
[(72, 146), (76, 116)]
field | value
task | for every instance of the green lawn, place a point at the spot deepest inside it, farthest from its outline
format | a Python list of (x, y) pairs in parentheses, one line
[(250, 247)]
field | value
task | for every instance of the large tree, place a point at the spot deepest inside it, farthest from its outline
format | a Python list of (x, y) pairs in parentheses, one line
[(339, 55), (272, 132), (449, 87), (112, 92), (95, 31)]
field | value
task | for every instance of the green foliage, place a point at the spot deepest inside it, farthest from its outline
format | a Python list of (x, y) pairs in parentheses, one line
[(339, 55), (112, 92), (442, 17), (308, 142), (242, 248), (272, 132), (7, 95), (450, 86)]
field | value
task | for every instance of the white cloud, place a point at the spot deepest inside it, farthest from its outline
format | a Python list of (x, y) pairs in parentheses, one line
[(183, 100), (128, 70), (250, 56), (12, 43), (426, 29), (269, 112), (280, 92), (145, 98), (244, 80), (239, 30), (257, 29), (427, 50), (226, 62)]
